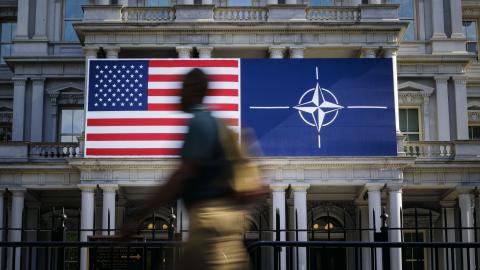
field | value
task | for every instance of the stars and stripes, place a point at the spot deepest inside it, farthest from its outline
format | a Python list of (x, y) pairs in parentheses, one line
[(133, 105)]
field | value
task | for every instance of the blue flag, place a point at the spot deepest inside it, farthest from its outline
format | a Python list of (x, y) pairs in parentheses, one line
[(319, 107)]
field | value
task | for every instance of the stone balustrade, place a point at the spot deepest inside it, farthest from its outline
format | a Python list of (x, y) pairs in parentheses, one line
[(242, 14), (148, 14), (269, 13), (49, 151), (430, 149), (333, 14)]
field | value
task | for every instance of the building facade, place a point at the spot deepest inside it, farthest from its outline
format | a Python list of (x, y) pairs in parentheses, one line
[(433, 45)]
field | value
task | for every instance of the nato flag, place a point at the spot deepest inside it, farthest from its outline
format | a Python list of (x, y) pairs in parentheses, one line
[(320, 107)]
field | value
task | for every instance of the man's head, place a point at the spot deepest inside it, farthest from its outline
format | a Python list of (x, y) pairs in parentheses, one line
[(195, 86)]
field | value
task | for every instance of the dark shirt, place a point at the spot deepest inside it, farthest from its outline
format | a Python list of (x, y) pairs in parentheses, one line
[(202, 145)]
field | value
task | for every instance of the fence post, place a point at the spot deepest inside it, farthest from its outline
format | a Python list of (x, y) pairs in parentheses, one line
[(58, 235), (383, 237), (277, 250)]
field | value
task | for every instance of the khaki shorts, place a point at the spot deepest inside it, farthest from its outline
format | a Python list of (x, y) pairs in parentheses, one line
[(216, 237)]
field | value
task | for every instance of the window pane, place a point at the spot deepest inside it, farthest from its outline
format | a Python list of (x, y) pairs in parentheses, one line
[(470, 30), (472, 47), (239, 3), (406, 8), (403, 120), (410, 32), (77, 121), (413, 125), (67, 118), (69, 33), (7, 32), (5, 50), (413, 137), (474, 132), (73, 9), (321, 2)]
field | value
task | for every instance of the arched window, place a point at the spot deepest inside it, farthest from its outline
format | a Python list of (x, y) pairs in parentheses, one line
[(407, 14), (322, 2)]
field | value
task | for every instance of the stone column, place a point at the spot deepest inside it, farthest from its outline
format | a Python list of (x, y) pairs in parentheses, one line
[(369, 52), (426, 118), (205, 51), (182, 220), (36, 122), (392, 53), (86, 220), (184, 51), (443, 116), (108, 210), (461, 107), (19, 85), (297, 51), (438, 20), (448, 222), (90, 53), (276, 51), (395, 194), (18, 197), (374, 212), (22, 24), (278, 203), (112, 52), (365, 234), (456, 19), (40, 20), (465, 202), (300, 206)]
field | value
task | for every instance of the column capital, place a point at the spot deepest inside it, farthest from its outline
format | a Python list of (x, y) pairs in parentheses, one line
[(369, 52), (275, 187), (19, 80), (37, 79), (374, 186), (18, 191), (300, 187), (297, 51), (390, 52), (87, 187), (276, 51), (441, 78), (448, 204), (460, 79), (109, 187), (90, 52), (395, 187), (184, 51), (112, 52), (205, 51)]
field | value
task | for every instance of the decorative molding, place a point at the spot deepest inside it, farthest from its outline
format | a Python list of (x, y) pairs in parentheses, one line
[(70, 93)]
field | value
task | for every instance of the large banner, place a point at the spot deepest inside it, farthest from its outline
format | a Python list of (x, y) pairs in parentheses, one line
[(296, 107)]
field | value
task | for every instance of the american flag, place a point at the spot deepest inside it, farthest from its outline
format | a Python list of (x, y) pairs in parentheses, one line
[(133, 105)]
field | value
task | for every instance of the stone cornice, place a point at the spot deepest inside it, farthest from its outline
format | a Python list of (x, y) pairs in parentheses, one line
[(430, 58)]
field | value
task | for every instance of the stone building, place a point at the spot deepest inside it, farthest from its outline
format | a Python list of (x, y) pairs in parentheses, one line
[(45, 44)]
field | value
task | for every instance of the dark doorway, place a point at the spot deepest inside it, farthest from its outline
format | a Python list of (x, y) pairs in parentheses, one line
[(328, 258)]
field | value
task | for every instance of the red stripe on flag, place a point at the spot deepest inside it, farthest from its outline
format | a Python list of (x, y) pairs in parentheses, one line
[(176, 92), (137, 122), (179, 78), (193, 63), (176, 107), (132, 151), (135, 137)]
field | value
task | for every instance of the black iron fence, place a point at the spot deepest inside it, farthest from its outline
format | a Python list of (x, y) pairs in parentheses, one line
[(430, 240)]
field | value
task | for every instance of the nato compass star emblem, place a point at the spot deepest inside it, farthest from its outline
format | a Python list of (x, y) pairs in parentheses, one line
[(318, 107)]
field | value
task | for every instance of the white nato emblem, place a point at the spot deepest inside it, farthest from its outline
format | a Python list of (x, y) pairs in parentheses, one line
[(318, 107)]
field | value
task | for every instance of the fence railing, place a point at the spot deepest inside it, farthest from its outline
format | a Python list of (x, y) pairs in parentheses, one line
[(246, 14), (430, 149), (148, 14), (52, 151), (333, 14)]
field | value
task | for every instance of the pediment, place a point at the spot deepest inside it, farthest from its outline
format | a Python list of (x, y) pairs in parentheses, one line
[(413, 88), (473, 105), (67, 89)]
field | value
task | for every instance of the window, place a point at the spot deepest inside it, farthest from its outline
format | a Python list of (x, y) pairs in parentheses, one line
[(156, 3), (71, 124), (407, 14), (474, 132), (470, 31), (5, 132), (409, 124), (240, 3), (413, 258), (7, 32), (321, 2), (72, 13)]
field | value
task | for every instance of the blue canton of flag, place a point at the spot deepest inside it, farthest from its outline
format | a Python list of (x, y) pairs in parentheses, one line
[(118, 85)]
